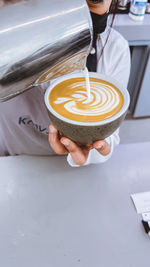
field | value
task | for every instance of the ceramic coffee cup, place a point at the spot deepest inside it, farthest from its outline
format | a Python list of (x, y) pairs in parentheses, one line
[(83, 132)]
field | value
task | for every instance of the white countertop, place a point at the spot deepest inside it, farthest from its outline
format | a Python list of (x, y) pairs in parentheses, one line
[(52, 215)]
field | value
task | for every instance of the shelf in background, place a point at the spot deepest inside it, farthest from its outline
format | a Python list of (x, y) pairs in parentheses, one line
[(132, 30)]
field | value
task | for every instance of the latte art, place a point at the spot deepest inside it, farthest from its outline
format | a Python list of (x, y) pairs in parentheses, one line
[(69, 99)]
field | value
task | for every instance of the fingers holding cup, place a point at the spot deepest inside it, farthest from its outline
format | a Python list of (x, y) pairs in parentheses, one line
[(102, 147), (78, 154), (54, 141)]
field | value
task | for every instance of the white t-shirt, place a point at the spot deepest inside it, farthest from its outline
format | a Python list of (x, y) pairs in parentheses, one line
[(24, 119)]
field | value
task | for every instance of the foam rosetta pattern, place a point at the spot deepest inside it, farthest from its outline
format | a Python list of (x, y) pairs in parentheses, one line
[(73, 103)]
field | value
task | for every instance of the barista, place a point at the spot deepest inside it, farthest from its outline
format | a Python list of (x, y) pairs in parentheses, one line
[(24, 120)]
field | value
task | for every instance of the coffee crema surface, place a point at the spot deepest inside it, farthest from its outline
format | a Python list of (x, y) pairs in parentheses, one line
[(69, 99)]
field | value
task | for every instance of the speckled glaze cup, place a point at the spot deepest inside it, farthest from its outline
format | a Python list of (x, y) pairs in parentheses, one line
[(87, 132)]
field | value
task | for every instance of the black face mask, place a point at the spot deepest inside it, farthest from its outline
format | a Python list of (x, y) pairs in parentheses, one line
[(99, 22), (99, 25)]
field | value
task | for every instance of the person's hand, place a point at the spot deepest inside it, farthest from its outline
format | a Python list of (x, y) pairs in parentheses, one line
[(62, 146)]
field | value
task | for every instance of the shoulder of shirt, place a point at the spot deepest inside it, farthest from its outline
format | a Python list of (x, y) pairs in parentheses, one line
[(115, 38)]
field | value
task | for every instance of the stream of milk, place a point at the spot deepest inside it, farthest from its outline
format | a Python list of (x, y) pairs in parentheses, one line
[(87, 79)]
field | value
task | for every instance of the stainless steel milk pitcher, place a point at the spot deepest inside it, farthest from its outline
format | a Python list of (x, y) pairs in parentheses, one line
[(41, 40)]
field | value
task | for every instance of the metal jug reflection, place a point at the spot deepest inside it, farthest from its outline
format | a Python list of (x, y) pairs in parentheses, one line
[(41, 40)]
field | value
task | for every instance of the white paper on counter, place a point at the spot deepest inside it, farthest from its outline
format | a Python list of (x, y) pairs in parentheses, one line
[(146, 217), (141, 202)]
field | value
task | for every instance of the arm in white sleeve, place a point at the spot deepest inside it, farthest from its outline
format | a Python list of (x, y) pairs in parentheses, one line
[(121, 63), (94, 156), (121, 71)]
